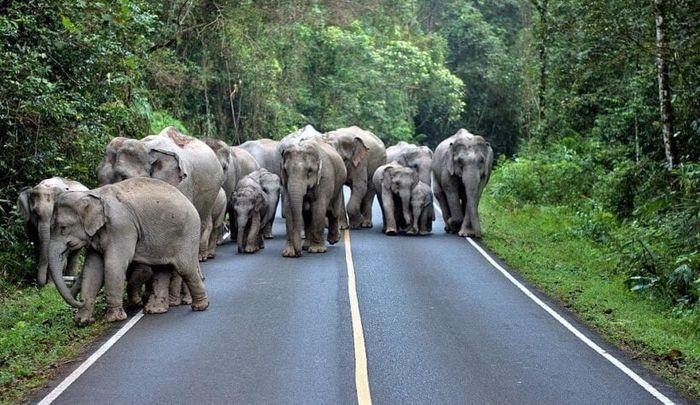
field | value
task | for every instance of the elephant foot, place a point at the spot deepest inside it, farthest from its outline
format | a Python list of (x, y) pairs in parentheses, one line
[(423, 233), (134, 302), (268, 236), (412, 231), (200, 304), (173, 301), (156, 306), (211, 255), (391, 231), (317, 249), (333, 237), (466, 233), (290, 251), (366, 224), (250, 249), (115, 314), (203, 257), (83, 318)]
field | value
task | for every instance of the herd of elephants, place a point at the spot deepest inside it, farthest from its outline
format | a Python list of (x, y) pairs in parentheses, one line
[(163, 201)]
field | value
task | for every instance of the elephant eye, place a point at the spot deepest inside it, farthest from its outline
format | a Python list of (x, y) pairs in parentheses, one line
[(62, 229)]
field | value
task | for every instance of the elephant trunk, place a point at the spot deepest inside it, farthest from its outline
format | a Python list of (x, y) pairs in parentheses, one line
[(241, 221), (471, 180), (56, 255), (405, 196), (44, 239), (296, 191)]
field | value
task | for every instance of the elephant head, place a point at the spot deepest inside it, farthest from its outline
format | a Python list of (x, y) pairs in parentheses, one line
[(419, 158), (351, 148), (105, 171), (36, 205), (76, 219), (470, 159), (249, 204), (400, 181), (301, 174), (135, 159)]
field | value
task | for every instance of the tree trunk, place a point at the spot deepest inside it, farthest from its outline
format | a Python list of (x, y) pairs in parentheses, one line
[(541, 7), (663, 78)]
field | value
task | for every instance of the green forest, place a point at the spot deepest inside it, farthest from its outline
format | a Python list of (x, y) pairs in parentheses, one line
[(592, 109)]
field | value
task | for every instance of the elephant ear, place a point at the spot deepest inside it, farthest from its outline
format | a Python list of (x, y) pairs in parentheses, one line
[(224, 156), (386, 176), (93, 212), (359, 151), (260, 202), (450, 159), (414, 178), (166, 166), (23, 203)]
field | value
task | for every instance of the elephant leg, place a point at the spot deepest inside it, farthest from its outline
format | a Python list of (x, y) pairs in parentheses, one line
[(271, 219), (233, 225), (116, 264), (186, 296), (139, 274), (158, 300), (189, 272), (318, 225), (204, 238), (354, 209), (367, 202), (343, 215), (334, 221), (455, 208), (175, 290), (290, 249), (92, 279), (252, 245), (442, 201), (389, 212), (213, 238), (425, 226)]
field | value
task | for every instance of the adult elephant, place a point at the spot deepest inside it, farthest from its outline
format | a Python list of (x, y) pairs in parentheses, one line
[(313, 174), (179, 160), (462, 167), (126, 223), (394, 184), (36, 204), (362, 152), (265, 153), (236, 163)]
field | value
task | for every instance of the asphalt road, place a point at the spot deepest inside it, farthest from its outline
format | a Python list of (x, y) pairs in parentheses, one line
[(441, 325)]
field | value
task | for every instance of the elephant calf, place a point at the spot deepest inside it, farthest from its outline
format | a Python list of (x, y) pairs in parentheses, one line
[(421, 209), (394, 184), (250, 209), (139, 220)]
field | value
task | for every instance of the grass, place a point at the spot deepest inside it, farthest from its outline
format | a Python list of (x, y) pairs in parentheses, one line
[(584, 276), (37, 334)]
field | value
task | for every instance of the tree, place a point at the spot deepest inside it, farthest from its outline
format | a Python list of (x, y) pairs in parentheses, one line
[(663, 79)]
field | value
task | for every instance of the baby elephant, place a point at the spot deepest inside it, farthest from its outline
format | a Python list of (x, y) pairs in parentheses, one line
[(271, 185), (250, 208), (139, 220), (422, 210)]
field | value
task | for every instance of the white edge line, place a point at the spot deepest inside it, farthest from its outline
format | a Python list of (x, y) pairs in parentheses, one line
[(364, 396), (90, 361), (617, 363)]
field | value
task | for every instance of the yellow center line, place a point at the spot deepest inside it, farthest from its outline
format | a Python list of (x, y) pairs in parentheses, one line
[(358, 337)]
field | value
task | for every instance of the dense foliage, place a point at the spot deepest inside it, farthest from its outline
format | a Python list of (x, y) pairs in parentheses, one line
[(572, 83)]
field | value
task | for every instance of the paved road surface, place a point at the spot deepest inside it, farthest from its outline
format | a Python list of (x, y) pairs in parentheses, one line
[(441, 325)]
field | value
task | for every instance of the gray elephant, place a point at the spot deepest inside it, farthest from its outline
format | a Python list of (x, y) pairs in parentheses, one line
[(36, 205), (250, 209), (125, 223), (265, 153), (271, 186), (236, 163), (179, 160), (362, 152), (394, 184), (313, 174), (462, 167), (218, 214), (422, 210)]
